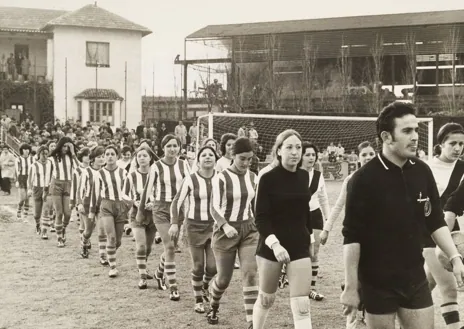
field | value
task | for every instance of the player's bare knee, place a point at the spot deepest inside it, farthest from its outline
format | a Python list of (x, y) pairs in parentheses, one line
[(449, 292), (266, 300), (197, 269), (210, 270)]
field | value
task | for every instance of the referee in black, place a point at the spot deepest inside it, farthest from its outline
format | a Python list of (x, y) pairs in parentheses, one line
[(391, 202)]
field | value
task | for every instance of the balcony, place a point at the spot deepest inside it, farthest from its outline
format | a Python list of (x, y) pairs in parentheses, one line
[(24, 73)]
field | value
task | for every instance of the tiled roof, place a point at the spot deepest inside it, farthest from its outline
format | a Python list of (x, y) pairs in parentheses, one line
[(96, 17), (26, 19), (41, 20), (102, 94), (331, 24)]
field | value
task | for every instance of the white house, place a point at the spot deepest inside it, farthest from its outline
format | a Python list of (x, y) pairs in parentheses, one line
[(90, 56)]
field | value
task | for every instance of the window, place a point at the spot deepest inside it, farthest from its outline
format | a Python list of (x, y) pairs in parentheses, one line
[(101, 111), (97, 53), (79, 111)]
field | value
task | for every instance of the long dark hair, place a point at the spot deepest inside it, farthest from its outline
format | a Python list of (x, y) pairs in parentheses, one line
[(56, 153)]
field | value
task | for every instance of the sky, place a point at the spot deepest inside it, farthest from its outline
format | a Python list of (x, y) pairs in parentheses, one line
[(172, 20)]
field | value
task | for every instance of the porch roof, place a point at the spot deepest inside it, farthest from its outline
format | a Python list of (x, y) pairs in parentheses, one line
[(99, 94), (14, 19)]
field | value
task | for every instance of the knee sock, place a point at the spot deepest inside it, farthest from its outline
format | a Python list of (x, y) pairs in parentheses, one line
[(260, 312), (315, 271), (170, 270), (216, 294), (141, 259), (301, 312), (45, 223), (111, 252), (250, 295), (26, 208), (197, 285), (102, 246), (450, 313), (20, 208), (59, 231), (160, 270)]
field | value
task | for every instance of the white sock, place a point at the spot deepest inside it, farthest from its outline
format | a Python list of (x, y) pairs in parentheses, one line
[(259, 312), (301, 312)]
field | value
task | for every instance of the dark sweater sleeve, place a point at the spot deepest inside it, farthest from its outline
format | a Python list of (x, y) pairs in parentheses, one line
[(436, 218), (455, 202), (263, 207), (354, 227)]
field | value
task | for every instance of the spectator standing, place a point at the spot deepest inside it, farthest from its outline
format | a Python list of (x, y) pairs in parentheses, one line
[(7, 164), (181, 132), (252, 133)]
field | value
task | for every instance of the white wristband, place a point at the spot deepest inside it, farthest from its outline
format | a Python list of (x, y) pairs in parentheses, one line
[(270, 240), (455, 256)]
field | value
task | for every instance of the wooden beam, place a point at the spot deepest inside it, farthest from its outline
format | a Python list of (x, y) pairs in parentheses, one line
[(203, 61)]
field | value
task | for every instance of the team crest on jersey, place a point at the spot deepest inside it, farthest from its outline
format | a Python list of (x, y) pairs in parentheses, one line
[(427, 205)]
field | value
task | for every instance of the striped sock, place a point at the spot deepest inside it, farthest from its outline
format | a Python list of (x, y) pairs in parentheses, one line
[(160, 269), (19, 211), (315, 268), (45, 223), (102, 246), (170, 270), (141, 259), (26, 209), (111, 252), (197, 284), (250, 295), (450, 313), (216, 294), (207, 277), (59, 231)]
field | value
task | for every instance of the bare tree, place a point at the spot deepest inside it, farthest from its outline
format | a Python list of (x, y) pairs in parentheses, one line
[(450, 48), (410, 50), (344, 65), (274, 85), (377, 53), (309, 71)]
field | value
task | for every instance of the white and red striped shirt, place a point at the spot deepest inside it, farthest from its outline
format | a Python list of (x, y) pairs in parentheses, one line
[(134, 184), (107, 185), (197, 190), (76, 178), (23, 165), (232, 196), (40, 174), (85, 185), (62, 169), (165, 180)]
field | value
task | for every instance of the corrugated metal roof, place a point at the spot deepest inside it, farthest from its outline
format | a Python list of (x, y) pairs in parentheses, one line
[(330, 24), (14, 19), (96, 17), (100, 94)]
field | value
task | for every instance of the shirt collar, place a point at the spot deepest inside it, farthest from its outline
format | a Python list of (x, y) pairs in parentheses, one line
[(387, 164)]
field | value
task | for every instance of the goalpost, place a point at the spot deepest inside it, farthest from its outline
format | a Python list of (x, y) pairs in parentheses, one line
[(320, 130)]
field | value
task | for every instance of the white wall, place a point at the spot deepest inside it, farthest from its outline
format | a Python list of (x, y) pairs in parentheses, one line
[(37, 50), (70, 43)]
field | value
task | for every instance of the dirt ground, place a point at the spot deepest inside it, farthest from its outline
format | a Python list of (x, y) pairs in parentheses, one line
[(42, 286)]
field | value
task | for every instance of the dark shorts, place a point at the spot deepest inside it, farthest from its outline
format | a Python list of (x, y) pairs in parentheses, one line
[(22, 181), (317, 220), (147, 222), (61, 188), (116, 209), (388, 300), (199, 234), (162, 213), (37, 194), (247, 237)]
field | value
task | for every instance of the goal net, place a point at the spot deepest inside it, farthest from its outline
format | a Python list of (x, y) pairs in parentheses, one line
[(320, 130)]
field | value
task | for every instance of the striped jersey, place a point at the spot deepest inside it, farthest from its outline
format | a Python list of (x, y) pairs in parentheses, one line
[(62, 168), (23, 165), (76, 177), (165, 180), (108, 185), (232, 196), (134, 184), (85, 184), (197, 190), (40, 174)]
